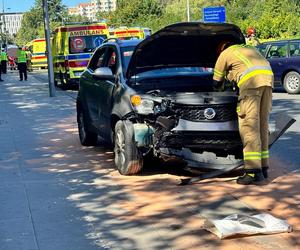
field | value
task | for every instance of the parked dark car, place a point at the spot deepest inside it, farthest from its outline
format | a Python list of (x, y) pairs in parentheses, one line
[(284, 57), (155, 97)]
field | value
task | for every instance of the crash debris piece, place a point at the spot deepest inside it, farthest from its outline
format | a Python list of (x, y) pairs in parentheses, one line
[(238, 224)]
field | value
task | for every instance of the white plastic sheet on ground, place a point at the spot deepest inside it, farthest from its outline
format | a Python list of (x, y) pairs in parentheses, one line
[(246, 225)]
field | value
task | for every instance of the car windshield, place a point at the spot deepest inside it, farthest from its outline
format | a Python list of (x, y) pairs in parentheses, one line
[(85, 44), (126, 55), (175, 79), (166, 72)]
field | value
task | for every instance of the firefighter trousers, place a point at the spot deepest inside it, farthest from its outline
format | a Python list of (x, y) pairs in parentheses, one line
[(253, 110)]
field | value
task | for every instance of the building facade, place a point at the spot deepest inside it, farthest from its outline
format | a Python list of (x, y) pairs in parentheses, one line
[(92, 8), (10, 22)]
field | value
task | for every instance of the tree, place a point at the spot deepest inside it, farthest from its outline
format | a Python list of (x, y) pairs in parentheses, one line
[(135, 13), (271, 18), (32, 25)]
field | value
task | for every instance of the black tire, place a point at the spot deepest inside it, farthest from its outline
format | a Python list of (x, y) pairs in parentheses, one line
[(86, 137), (291, 82), (127, 156)]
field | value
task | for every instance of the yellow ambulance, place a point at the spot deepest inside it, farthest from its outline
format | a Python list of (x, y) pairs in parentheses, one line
[(72, 47), (127, 33), (37, 48)]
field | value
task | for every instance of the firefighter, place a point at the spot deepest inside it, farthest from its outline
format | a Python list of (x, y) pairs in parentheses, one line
[(4, 60), (242, 65), (251, 38), (22, 63)]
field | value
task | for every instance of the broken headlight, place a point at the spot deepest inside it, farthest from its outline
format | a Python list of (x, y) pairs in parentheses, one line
[(141, 105)]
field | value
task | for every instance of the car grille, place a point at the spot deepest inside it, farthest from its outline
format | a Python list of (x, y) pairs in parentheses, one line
[(204, 140), (224, 112)]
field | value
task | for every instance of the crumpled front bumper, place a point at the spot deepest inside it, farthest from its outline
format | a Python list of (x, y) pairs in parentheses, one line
[(200, 144), (221, 137)]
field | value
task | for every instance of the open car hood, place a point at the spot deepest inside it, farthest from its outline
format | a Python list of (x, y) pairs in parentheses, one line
[(190, 44)]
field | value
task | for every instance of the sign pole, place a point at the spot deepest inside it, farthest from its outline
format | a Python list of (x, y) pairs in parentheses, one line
[(188, 10), (48, 50)]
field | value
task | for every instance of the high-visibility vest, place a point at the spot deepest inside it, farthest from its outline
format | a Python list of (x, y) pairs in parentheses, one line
[(3, 56), (22, 56)]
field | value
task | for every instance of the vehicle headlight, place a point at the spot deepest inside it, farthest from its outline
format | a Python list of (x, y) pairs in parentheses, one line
[(141, 105)]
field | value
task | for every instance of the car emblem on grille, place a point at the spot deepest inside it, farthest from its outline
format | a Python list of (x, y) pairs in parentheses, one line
[(209, 113)]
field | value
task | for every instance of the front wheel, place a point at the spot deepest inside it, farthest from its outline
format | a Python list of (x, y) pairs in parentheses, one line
[(291, 82), (127, 156)]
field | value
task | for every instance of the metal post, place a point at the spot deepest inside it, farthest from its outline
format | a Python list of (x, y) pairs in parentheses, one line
[(2, 25), (48, 50), (188, 10)]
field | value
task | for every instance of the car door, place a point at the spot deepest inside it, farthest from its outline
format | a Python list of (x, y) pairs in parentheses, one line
[(294, 60), (277, 56), (104, 92), (88, 86)]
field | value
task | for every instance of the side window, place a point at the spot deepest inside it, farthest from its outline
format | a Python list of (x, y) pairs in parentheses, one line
[(112, 61), (277, 51), (97, 59), (295, 48)]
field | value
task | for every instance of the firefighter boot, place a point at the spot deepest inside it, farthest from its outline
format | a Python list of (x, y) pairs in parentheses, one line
[(251, 178)]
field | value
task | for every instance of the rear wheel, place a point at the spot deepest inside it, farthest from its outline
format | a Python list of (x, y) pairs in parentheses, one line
[(86, 137), (291, 82), (127, 156)]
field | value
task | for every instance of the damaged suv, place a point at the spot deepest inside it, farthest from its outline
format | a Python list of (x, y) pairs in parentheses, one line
[(155, 97)]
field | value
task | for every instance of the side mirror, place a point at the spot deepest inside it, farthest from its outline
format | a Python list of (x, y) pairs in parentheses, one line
[(104, 73)]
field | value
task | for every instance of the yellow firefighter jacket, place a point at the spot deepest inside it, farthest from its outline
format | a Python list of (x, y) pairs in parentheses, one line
[(245, 66)]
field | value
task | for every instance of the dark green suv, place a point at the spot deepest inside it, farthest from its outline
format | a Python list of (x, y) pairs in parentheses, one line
[(155, 97)]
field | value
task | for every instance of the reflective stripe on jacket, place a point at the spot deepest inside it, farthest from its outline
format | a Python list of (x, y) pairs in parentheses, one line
[(245, 66)]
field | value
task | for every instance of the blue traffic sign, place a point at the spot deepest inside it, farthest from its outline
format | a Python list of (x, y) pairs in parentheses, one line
[(214, 14)]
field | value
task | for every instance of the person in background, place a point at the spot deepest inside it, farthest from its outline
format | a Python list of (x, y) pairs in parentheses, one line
[(251, 38), (4, 60), (28, 62), (22, 63), (11, 63)]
